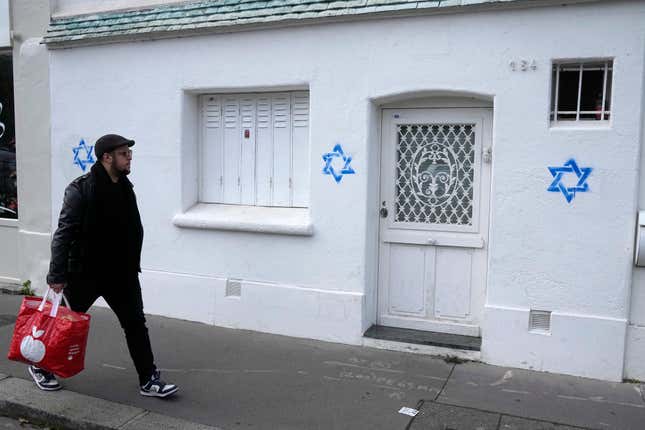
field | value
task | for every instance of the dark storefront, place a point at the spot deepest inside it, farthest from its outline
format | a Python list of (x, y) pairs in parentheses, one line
[(8, 189)]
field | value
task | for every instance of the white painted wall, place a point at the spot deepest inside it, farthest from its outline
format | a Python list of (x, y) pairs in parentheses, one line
[(8, 228), (25, 242), (635, 349), (5, 27), (9, 261), (573, 259)]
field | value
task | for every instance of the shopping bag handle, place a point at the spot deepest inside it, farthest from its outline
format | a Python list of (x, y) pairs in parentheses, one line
[(57, 297)]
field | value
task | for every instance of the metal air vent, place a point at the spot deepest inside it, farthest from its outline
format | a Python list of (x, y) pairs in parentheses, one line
[(233, 288), (540, 321)]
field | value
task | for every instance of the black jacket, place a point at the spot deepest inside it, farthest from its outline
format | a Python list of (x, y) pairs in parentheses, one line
[(75, 242)]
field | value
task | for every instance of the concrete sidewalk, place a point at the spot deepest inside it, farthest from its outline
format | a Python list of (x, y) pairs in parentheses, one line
[(235, 379)]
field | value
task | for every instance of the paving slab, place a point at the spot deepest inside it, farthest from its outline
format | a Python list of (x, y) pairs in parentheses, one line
[(236, 379), (555, 398), (20, 398), (514, 423), (435, 416), (240, 379), (7, 319)]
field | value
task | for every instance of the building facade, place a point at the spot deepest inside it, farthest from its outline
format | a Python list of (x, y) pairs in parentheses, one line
[(25, 199), (316, 169)]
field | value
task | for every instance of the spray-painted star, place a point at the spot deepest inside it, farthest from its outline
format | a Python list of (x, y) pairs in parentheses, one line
[(88, 157), (582, 173), (329, 158)]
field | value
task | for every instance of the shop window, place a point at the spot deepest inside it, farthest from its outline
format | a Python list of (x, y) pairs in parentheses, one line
[(8, 186), (581, 92), (255, 149)]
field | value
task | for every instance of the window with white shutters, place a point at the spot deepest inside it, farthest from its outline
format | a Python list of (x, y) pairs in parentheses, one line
[(255, 149)]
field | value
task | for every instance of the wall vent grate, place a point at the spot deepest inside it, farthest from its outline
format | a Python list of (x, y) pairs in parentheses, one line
[(233, 288), (540, 321)]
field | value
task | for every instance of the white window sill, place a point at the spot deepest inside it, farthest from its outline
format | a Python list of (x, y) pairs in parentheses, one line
[(8, 222), (255, 219), (580, 125)]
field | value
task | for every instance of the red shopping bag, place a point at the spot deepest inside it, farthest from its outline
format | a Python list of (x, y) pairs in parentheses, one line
[(50, 336)]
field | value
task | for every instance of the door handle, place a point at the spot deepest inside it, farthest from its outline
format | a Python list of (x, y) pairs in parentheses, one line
[(487, 154), (383, 212)]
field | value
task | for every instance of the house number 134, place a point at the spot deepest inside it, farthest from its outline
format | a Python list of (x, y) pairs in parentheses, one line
[(522, 65)]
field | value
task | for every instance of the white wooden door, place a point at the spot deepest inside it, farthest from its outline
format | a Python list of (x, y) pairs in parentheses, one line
[(435, 193)]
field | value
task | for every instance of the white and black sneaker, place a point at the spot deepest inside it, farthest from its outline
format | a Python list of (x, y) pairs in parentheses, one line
[(155, 387), (45, 380)]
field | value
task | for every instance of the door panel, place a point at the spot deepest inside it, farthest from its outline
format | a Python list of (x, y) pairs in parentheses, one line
[(454, 271), (435, 192), (408, 268)]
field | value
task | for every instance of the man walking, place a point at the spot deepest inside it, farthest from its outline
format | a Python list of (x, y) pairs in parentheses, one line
[(96, 252)]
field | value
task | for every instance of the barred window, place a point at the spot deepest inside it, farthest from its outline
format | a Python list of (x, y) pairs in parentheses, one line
[(581, 91), (8, 188)]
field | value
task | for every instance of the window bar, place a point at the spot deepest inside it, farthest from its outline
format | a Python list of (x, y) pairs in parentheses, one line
[(604, 91), (557, 91), (579, 94)]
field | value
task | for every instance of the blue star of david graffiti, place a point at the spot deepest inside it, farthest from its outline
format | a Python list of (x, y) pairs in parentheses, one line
[(582, 173), (78, 158), (329, 158)]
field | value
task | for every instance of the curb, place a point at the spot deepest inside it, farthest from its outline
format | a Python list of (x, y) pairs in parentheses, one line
[(73, 411), (12, 289)]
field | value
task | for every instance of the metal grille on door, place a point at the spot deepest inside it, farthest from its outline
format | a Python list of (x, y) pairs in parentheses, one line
[(435, 174)]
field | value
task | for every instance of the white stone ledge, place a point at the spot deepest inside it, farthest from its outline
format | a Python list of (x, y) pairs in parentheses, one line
[(255, 219), (4, 280), (8, 222), (580, 126)]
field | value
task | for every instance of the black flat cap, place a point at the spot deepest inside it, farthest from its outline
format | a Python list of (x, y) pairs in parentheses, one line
[(110, 142)]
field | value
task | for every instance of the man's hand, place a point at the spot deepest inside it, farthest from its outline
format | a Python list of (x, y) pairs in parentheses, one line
[(57, 287)]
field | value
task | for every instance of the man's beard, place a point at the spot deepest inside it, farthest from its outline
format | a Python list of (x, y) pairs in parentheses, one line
[(125, 171)]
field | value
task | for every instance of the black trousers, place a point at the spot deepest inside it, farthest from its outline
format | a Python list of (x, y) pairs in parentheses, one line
[(124, 298)]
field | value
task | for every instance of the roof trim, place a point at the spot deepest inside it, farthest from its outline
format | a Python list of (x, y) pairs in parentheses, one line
[(213, 16)]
